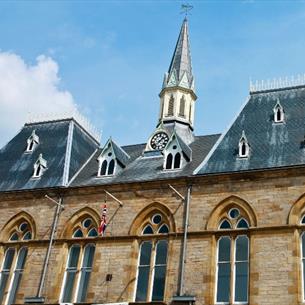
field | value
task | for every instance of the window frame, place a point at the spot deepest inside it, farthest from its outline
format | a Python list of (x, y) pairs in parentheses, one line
[(78, 272), (302, 261), (152, 265), (233, 236), (13, 272)]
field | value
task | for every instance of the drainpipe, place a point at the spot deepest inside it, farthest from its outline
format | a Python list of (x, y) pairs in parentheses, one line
[(183, 255), (39, 298)]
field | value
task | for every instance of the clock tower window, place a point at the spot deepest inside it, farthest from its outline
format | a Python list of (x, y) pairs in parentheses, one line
[(170, 111)]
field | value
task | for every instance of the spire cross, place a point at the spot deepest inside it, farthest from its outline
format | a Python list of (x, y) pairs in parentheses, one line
[(185, 8)]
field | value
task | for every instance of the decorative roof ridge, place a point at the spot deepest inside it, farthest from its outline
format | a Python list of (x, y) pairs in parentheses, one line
[(75, 115), (277, 84)]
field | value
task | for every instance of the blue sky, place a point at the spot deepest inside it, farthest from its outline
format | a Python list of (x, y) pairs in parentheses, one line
[(112, 55)]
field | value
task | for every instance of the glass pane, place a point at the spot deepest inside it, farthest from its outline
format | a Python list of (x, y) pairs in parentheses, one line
[(14, 288), (241, 282), (111, 167), (242, 224), (241, 248), (148, 230), (92, 233), (303, 220), (14, 237), (27, 236), (223, 282), (161, 252), (9, 256), (68, 288), (145, 253), (225, 225), (142, 284), (303, 244), (163, 229), (87, 223), (159, 282), (83, 286), (234, 213), (74, 256), (156, 219), (78, 233), (21, 258), (224, 249), (3, 282), (23, 226), (88, 256), (177, 160)]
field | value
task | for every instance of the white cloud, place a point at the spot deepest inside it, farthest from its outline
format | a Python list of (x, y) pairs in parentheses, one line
[(29, 89)]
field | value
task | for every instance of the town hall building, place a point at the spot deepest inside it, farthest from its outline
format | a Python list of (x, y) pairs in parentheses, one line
[(182, 219)]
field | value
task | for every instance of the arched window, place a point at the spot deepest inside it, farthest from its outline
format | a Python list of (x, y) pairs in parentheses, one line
[(111, 167), (278, 113), (169, 161), (79, 264), (232, 266), (103, 168), (150, 284), (14, 262), (170, 110), (243, 147), (39, 167), (177, 161), (32, 142), (182, 107)]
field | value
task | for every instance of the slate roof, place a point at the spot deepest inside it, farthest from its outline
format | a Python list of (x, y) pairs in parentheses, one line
[(64, 145), (142, 168), (272, 145)]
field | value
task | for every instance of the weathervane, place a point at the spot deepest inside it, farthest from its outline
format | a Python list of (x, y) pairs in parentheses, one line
[(185, 8)]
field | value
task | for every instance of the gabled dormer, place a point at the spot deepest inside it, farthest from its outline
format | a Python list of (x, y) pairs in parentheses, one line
[(176, 153), (112, 159), (32, 142), (40, 167), (243, 146), (278, 113)]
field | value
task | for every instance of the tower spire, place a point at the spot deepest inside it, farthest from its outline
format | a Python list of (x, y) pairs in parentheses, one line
[(180, 69)]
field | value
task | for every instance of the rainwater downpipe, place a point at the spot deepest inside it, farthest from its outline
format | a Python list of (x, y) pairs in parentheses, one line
[(183, 254)]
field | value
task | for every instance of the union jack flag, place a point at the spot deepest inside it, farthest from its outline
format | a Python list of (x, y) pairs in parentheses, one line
[(103, 225)]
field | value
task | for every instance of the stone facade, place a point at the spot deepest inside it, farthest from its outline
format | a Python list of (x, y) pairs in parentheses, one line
[(272, 200)]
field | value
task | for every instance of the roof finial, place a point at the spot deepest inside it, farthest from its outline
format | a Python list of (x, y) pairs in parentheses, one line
[(185, 8)]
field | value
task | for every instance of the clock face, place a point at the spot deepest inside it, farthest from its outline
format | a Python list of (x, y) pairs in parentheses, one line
[(159, 141)]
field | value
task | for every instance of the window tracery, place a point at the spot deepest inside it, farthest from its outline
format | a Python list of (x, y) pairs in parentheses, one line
[(151, 275), (14, 261), (232, 263), (79, 263)]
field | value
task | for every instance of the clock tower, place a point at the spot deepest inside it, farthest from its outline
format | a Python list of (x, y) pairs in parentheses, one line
[(177, 96)]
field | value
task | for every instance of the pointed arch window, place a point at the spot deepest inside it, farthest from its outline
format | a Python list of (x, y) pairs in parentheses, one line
[(173, 162), (32, 142), (182, 107), (170, 110), (278, 113), (151, 275), (14, 261), (79, 264), (39, 167), (232, 261), (243, 147), (107, 168)]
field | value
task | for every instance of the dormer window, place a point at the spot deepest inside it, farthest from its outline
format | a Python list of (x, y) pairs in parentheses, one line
[(173, 161), (39, 167), (278, 113), (32, 142), (111, 160), (107, 168), (244, 147)]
